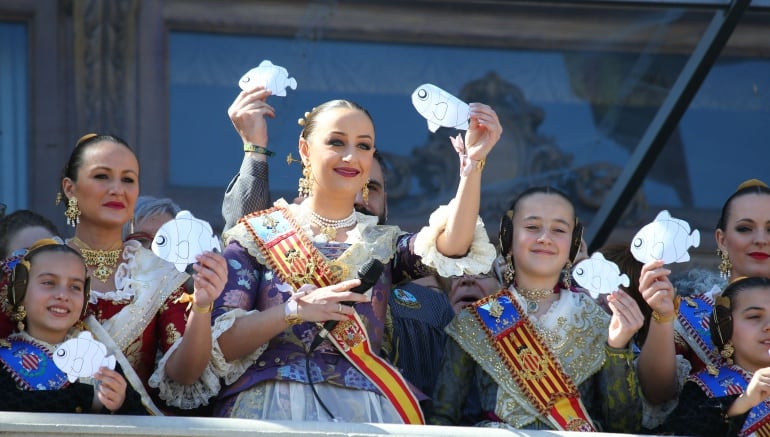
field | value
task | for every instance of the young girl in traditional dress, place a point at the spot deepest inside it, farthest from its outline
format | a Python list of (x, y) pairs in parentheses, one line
[(733, 399), (541, 355), (48, 292)]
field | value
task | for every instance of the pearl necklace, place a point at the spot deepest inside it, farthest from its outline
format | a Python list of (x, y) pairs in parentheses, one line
[(329, 227), (104, 260), (533, 296)]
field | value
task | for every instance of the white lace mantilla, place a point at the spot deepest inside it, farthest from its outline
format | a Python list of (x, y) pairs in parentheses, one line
[(188, 396), (150, 280)]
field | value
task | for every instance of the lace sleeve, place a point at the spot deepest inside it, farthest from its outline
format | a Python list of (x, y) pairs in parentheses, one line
[(478, 259), (189, 396)]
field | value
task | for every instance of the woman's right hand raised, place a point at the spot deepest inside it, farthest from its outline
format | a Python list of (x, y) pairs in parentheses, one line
[(326, 303), (657, 290), (248, 113)]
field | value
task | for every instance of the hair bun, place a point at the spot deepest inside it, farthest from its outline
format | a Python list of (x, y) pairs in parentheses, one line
[(751, 183)]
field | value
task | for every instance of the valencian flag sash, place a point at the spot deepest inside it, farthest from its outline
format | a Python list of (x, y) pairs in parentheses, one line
[(31, 366), (732, 380), (693, 317), (534, 367), (291, 255)]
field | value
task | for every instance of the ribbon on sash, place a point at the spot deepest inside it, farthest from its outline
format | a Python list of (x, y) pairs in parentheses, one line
[(732, 381), (693, 317), (31, 366), (534, 367), (291, 255)]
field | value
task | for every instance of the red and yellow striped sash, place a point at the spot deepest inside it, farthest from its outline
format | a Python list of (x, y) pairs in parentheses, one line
[(533, 366), (292, 256)]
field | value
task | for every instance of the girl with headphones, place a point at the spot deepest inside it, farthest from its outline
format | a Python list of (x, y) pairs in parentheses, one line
[(542, 354), (48, 293)]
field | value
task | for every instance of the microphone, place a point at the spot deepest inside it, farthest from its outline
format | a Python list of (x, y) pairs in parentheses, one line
[(369, 273)]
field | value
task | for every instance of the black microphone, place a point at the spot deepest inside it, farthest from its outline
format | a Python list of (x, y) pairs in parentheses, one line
[(369, 273)]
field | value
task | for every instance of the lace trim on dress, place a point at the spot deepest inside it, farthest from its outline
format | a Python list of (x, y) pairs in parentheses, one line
[(478, 259), (151, 280), (654, 415), (189, 396)]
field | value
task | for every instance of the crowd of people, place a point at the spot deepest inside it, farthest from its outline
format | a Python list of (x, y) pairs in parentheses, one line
[(318, 310)]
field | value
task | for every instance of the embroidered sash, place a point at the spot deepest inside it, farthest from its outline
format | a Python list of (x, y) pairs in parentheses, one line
[(32, 366), (693, 321), (535, 369), (291, 255), (733, 381)]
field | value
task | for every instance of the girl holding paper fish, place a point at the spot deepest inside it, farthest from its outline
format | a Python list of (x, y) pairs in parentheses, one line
[(732, 399), (541, 355), (135, 298), (48, 293), (292, 266)]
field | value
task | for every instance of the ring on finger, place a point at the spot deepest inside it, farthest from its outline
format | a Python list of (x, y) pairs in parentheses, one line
[(339, 307)]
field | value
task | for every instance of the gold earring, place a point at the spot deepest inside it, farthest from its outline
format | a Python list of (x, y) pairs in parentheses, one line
[(725, 266), (306, 182), (510, 273), (365, 191), (567, 275), (290, 159), (18, 315), (58, 198), (727, 352), (72, 212)]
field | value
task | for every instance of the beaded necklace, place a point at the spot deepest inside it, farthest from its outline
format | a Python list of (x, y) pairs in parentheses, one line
[(329, 227), (533, 296), (104, 260)]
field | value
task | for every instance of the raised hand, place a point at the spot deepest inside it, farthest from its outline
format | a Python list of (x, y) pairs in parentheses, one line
[(209, 278), (657, 290), (483, 132), (626, 319), (248, 113)]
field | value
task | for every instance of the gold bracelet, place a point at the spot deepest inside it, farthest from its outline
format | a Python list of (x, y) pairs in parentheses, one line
[(247, 147), (662, 319), (203, 310), (658, 318), (480, 164)]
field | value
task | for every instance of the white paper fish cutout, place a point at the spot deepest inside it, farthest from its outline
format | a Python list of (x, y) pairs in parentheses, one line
[(666, 238), (599, 275), (440, 108), (273, 77), (82, 356), (180, 240)]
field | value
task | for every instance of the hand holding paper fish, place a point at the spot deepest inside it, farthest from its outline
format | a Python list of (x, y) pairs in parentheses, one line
[(666, 238), (657, 290), (248, 112), (484, 132)]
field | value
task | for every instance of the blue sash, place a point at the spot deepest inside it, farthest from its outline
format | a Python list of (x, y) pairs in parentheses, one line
[(31, 366), (732, 380), (694, 319)]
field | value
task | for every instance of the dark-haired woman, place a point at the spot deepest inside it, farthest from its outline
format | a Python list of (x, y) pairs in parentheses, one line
[(135, 295)]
